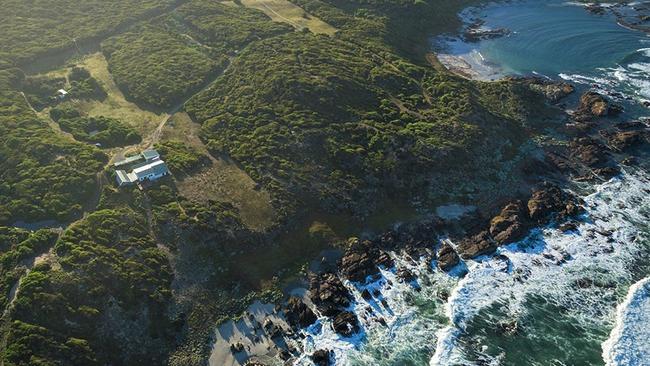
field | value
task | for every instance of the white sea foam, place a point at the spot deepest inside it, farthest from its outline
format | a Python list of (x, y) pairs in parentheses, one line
[(407, 331), (548, 264), (630, 81), (629, 343)]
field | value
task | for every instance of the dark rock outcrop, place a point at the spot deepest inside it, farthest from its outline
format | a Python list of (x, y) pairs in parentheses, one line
[(476, 32), (625, 140), (550, 200), (321, 357), (329, 294), (589, 152), (366, 295), (595, 9), (481, 243), (607, 172), (511, 224), (357, 266), (361, 260), (558, 161), (447, 257), (298, 314), (546, 201), (552, 90), (237, 347), (405, 275), (346, 324), (594, 105)]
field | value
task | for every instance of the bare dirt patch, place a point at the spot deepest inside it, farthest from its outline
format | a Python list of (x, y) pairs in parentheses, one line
[(222, 181), (287, 12)]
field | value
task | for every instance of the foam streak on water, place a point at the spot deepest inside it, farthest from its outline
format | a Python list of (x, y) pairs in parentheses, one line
[(629, 343), (561, 268), (585, 273), (412, 318)]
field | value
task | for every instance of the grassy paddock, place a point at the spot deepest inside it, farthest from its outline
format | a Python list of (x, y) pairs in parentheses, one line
[(115, 105), (222, 181), (287, 12)]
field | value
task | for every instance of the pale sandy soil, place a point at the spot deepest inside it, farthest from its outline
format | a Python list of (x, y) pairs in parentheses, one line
[(287, 12), (471, 66), (245, 331)]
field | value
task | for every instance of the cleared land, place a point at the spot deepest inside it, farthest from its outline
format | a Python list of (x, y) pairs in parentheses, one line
[(115, 105), (222, 181), (286, 12)]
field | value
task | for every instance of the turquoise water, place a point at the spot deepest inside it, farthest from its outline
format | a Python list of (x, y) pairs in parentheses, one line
[(560, 39), (553, 37)]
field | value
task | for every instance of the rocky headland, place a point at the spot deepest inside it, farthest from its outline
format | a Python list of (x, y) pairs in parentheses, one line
[(594, 145)]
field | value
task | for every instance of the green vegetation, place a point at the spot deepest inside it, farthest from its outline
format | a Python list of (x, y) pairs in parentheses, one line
[(108, 132), (33, 29), (181, 158), (42, 175), (204, 239), (41, 91), (157, 67), (84, 86), (225, 29), (403, 26), (111, 291), (342, 126), (335, 126), (163, 61), (16, 246)]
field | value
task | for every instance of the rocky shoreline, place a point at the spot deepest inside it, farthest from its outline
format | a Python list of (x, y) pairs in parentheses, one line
[(594, 149), (632, 15)]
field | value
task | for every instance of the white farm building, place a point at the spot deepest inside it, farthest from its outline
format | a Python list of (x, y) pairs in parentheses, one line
[(153, 169)]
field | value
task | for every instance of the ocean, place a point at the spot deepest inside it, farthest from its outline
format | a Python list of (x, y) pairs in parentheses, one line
[(580, 297)]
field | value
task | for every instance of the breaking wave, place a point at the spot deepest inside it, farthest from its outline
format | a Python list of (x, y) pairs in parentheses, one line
[(629, 343), (579, 272), (582, 273)]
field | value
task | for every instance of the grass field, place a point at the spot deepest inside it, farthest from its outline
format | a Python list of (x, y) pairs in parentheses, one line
[(287, 12), (222, 181), (115, 105)]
